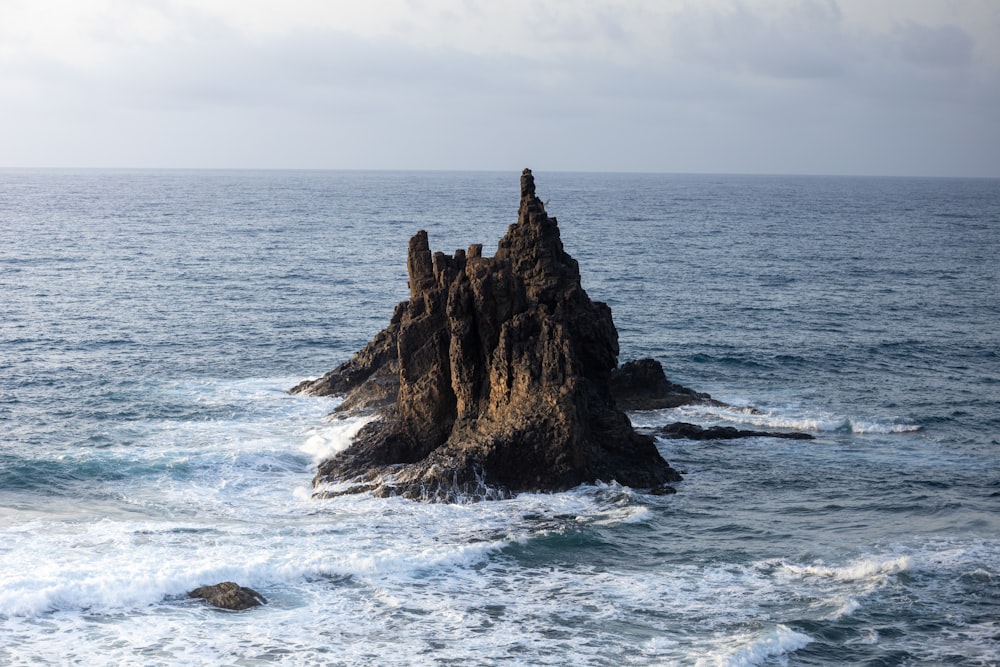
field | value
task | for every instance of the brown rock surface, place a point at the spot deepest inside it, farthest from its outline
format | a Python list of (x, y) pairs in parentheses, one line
[(229, 595), (494, 378)]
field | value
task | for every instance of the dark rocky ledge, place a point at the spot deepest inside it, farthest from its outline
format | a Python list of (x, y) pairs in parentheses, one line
[(492, 379), (683, 430), (642, 385)]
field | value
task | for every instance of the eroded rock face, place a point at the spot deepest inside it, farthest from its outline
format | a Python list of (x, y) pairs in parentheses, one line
[(494, 378)]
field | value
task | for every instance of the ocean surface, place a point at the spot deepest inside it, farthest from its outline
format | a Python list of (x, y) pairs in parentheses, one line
[(152, 321)]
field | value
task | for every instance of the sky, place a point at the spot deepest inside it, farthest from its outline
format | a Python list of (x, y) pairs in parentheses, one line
[(863, 87)]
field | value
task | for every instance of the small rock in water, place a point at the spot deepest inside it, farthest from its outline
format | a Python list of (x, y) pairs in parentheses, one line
[(229, 595), (642, 385), (683, 430)]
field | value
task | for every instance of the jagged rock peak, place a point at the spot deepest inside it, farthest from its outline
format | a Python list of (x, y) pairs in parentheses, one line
[(493, 378), (527, 184)]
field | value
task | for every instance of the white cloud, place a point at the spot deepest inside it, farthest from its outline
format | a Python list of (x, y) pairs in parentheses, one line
[(714, 85), (946, 46)]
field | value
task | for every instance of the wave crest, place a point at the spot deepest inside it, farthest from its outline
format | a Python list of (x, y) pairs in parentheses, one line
[(793, 419)]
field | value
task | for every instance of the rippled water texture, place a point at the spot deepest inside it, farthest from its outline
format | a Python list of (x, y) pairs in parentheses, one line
[(152, 321)]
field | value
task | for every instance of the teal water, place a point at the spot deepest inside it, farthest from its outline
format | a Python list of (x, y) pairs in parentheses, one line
[(152, 321)]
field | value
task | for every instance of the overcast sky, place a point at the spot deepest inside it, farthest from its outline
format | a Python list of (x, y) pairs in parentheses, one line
[(898, 87)]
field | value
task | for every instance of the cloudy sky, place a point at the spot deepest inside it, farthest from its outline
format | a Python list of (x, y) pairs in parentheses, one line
[(898, 87)]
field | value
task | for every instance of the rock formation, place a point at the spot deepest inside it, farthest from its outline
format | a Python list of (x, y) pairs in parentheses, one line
[(229, 595), (492, 379), (642, 385)]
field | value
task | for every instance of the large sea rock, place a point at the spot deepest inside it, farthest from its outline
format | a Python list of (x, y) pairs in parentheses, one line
[(492, 379)]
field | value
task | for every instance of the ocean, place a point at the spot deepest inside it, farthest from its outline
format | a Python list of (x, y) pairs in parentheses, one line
[(152, 322)]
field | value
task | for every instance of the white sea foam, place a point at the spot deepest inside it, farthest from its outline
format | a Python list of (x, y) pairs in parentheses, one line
[(849, 606), (332, 438), (115, 566), (791, 418), (757, 649), (405, 574), (630, 514), (838, 591), (510, 581), (863, 569)]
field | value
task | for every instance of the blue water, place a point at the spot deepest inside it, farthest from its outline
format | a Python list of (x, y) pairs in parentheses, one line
[(152, 321)]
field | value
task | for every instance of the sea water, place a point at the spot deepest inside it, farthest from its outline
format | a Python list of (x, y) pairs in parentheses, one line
[(152, 321)]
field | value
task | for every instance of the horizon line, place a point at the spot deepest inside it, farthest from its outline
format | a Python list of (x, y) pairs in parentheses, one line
[(500, 170)]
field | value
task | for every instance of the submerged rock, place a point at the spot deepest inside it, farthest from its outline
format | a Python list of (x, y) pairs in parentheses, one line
[(492, 379), (695, 432), (229, 595)]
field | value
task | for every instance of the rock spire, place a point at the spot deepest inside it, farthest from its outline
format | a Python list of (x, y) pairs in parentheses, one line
[(492, 379)]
